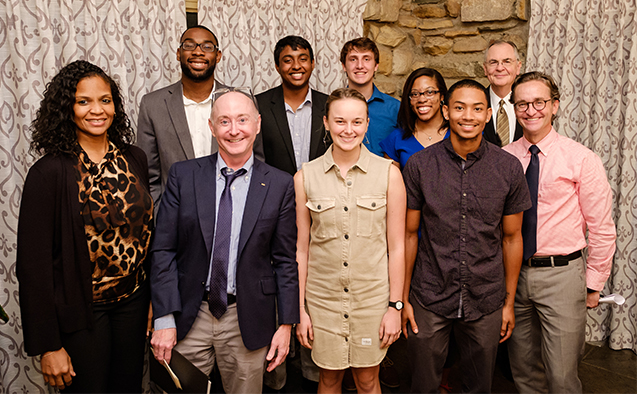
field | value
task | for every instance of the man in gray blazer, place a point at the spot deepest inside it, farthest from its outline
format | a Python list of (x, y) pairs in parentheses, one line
[(173, 121)]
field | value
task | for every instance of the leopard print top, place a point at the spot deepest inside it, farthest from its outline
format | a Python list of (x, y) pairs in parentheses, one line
[(117, 213)]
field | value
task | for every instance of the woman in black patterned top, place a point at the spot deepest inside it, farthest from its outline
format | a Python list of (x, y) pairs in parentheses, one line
[(83, 235)]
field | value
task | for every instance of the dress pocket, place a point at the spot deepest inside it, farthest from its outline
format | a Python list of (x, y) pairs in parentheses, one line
[(323, 213), (371, 213)]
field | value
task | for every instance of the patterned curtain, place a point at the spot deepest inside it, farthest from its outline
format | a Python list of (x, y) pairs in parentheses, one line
[(133, 40), (249, 29), (590, 47)]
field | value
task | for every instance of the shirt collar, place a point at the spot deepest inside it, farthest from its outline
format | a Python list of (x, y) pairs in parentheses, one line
[(308, 99), (221, 164), (376, 95), (544, 145), (362, 163), (188, 102), (477, 154), (495, 99)]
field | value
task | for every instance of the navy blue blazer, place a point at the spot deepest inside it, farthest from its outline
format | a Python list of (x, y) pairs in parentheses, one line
[(267, 274)]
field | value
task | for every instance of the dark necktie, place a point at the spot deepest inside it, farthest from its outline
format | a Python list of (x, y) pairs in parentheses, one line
[(503, 124), (218, 297), (529, 220)]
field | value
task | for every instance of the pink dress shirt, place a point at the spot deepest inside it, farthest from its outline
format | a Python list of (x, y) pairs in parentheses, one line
[(573, 194)]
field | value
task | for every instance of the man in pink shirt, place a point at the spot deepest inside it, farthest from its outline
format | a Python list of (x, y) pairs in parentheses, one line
[(556, 284)]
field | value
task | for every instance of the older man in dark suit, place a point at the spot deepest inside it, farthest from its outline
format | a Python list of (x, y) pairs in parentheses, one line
[(292, 113), (501, 65), (223, 257)]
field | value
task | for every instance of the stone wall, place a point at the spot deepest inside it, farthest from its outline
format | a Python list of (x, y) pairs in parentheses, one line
[(448, 35)]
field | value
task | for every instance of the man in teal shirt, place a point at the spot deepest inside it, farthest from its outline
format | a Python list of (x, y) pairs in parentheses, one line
[(360, 59)]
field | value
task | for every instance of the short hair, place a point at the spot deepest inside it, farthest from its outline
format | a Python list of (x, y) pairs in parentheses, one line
[(198, 27), (502, 42), (360, 44), (294, 42), (54, 130), (344, 93), (554, 91), (407, 117), (466, 83)]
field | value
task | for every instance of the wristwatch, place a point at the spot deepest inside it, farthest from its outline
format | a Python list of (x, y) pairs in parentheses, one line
[(398, 305)]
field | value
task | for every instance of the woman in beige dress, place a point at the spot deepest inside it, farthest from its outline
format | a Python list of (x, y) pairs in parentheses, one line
[(351, 209)]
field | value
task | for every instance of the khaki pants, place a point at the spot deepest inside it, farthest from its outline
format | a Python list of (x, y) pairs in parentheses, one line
[(210, 340)]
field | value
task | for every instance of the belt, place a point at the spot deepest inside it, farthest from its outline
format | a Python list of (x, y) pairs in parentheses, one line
[(553, 261), (231, 297)]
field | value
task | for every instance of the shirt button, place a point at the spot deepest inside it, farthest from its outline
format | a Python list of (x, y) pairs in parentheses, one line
[(345, 209), (464, 262), (464, 194), (465, 285), (346, 316), (345, 264), (346, 236), (463, 216), (346, 289), (318, 207), (462, 239), (349, 183), (346, 339), (465, 171), (373, 204)]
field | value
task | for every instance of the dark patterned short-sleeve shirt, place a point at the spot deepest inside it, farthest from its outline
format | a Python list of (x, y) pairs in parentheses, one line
[(459, 270), (117, 213)]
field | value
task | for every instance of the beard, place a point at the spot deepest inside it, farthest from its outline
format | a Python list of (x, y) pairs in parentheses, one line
[(198, 76)]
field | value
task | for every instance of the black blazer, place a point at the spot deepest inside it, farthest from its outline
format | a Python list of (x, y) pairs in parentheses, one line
[(275, 131), (267, 275), (489, 129), (53, 263)]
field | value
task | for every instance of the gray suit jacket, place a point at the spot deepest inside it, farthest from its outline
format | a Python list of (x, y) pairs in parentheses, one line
[(163, 134)]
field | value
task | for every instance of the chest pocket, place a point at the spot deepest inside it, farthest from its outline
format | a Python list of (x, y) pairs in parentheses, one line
[(323, 213), (371, 214)]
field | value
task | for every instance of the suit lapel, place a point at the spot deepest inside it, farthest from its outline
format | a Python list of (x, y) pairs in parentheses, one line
[(316, 134), (177, 113), (281, 118), (205, 184), (259, 184)]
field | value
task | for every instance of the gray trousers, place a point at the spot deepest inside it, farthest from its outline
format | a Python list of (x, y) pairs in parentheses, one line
[(477, 343), (550, 321)]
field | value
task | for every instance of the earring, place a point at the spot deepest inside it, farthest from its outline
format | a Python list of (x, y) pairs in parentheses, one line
[(327, 139)]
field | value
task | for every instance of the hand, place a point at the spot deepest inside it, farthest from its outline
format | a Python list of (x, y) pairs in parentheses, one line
[(57, 369), (592, 299), (389, 327), (149, 325), (163, 342), (508, 322), (407, 316), (304, 330), (279, 347)]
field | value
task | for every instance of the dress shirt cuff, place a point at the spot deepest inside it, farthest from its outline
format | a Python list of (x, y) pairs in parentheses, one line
[(167, 321)]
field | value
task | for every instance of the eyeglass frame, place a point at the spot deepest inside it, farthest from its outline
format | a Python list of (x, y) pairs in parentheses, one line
[(245, 90), (495, 63), (428, 94), (525, 104), (200, 45)]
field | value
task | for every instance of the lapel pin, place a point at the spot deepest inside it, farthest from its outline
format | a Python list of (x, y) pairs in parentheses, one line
[(262, 184)]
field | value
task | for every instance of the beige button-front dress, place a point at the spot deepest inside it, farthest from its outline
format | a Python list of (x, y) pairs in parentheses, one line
[(347, 290)]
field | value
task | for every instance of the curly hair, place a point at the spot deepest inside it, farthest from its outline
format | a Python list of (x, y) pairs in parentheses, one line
[(54, 131)]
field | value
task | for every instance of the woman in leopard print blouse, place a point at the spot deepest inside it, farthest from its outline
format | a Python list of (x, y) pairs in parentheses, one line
[(83, 234)]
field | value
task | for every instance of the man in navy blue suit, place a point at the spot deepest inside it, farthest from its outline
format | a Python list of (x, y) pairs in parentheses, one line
[(223, 256)]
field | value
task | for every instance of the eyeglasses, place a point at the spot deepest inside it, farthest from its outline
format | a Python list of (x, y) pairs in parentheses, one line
[(245, 90), (205, 46), (508, 62), (539, 105), (414, 95)]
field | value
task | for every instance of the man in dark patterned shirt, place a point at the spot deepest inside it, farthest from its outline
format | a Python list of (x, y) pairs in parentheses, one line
[(462, 273)]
